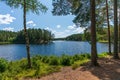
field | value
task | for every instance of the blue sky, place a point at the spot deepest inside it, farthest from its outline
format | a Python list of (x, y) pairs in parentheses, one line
[(12, 20)]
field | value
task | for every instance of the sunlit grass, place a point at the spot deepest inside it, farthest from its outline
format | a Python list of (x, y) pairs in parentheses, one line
[(41, 65)]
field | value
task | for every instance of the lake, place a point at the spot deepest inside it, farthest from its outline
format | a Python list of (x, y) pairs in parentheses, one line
[(18, 51)]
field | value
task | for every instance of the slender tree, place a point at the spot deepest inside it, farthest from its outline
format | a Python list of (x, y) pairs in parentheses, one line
[(119, 23), (115, 31), (82, 12), (28, 5), (109, 40), (26, 35), (93, 35)]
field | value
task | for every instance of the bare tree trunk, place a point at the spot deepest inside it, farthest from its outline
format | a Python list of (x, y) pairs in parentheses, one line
[(115, 31), (109, 40), (26, 35), (119, 28), (93, 35)]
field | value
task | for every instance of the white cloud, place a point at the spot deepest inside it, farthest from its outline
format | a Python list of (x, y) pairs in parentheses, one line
[(12, 11), (76, 29), (66, 32), (6, 19), (72, 27), (58, 34), (8, 29), (34, 24), (79, 30), (58, 26), (48, 28), (31, 23)]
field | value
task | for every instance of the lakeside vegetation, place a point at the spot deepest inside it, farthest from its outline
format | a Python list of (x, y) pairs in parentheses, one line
[(40, 36), (102, 35), (36, 36), (41, 65)]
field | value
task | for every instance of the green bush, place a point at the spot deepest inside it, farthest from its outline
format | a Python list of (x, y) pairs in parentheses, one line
[(77, 57), (45, 59), (53, 60), (37, 57), (3, 65), (84, 56), (66, 60)]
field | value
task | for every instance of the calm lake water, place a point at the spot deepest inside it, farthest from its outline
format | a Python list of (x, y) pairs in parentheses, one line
[(18, 51)]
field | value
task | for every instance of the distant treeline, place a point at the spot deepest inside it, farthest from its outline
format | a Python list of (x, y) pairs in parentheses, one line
[(75, 37), (102, 35), (36, 36), (7, 36)]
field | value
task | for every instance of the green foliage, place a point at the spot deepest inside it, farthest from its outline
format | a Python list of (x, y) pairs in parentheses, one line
[(7, 36), (17, 70), (41, 66), (36, 36), (66, 60), (75, 37), (45, 59), (102, 35), (79, 63), (3, 65), (53, 60), (34, 6), (104, 54), (77, 57)]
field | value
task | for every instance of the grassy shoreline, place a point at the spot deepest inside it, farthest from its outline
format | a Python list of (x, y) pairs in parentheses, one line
[(41, 65), (2, 43)]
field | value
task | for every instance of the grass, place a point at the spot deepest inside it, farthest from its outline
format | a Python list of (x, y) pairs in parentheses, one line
[(41, 65), (18, 69), (79, 63), (1, 43), (104, 54), (103, 41)]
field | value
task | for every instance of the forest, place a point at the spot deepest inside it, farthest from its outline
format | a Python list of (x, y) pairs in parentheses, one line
[(36, 36)]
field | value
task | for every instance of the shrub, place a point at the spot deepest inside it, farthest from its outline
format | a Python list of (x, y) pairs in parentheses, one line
[(37, 57), (77, 57), (53, 60), (66, 60), (3, 65), (45, 59)]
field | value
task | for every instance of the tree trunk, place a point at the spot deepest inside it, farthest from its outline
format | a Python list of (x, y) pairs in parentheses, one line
[(26, 35), (93, 35), (119, 28), (115, 31), (109, 40)]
